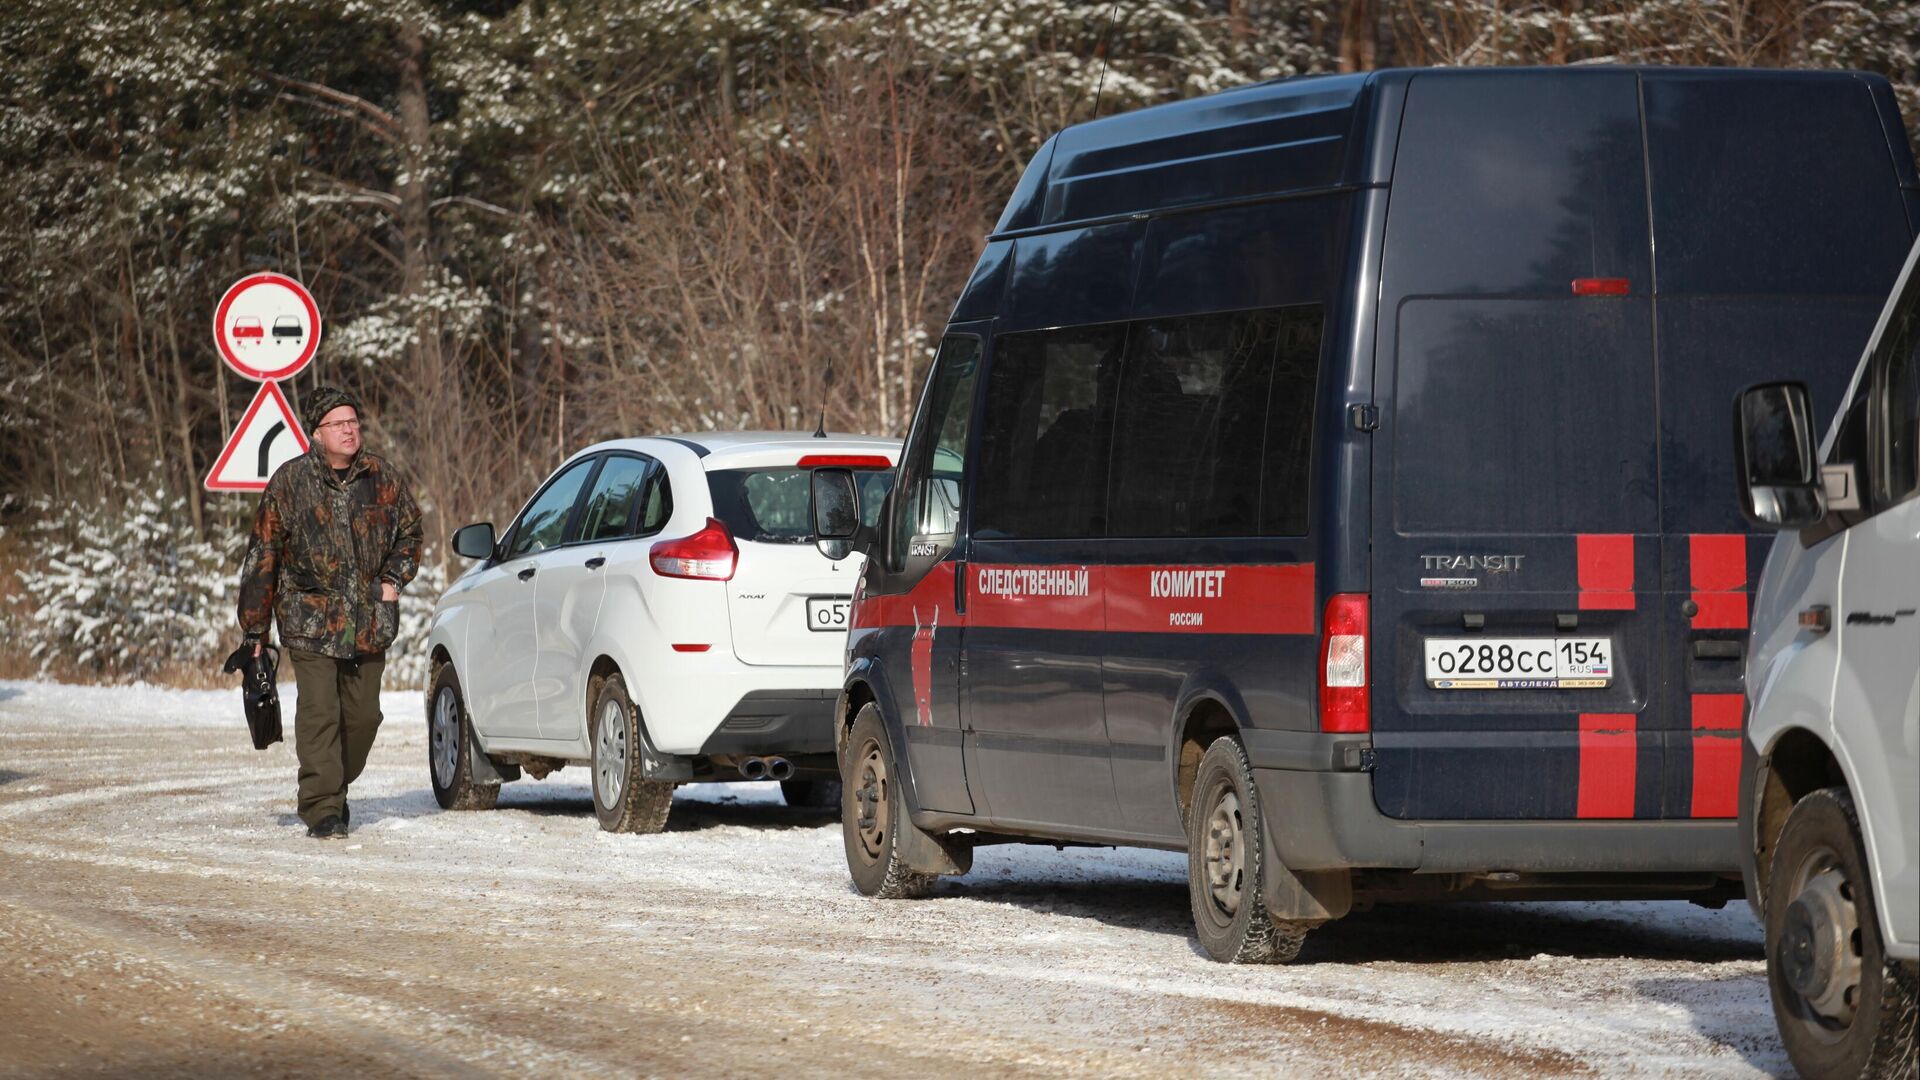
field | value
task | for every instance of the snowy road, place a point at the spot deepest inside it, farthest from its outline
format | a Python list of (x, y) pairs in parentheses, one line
[(161, 910)]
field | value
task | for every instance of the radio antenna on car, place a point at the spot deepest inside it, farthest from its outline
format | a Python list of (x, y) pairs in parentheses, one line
[(826, 387)]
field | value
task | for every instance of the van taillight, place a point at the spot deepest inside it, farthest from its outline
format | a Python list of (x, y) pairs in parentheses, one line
[(1345, 704), (709, 554)]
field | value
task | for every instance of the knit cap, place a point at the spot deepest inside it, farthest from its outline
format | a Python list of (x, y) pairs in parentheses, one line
[(323, 401)]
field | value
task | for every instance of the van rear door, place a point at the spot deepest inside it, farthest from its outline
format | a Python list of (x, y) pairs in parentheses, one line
[(1516, 667), (1779, 228)]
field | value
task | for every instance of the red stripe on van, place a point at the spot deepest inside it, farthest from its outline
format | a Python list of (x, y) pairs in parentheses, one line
[(1716, 754), (1211, 599), (1719, 574), (1070, 597), (1608, 759), (1606, 572), (1270, 599), (930, 599)]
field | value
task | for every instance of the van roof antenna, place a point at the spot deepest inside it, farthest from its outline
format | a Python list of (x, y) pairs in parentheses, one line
[(1106, 57)]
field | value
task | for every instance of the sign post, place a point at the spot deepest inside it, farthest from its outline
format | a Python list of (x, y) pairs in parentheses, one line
[(267, 328)]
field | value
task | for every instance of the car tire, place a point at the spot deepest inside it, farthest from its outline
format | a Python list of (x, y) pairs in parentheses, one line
[(872, 811), (450, 748), (1843, 1008), (1226, 861), (811, 794), (623, 800)]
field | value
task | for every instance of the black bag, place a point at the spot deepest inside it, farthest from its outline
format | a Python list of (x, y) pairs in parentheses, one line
[(258, 692)]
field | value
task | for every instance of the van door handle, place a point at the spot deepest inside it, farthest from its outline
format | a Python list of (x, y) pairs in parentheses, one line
[(596, 562), (1717, 650), (527, 574)]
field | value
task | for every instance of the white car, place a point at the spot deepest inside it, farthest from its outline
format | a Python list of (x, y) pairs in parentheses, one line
[(659, 610), (1830, 770)]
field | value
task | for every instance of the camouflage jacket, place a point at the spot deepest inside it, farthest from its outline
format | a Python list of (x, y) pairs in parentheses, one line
[(320, 549)]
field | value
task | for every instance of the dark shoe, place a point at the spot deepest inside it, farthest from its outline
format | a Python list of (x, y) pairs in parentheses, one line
[(326, 828), (340, 829), (346, 813)]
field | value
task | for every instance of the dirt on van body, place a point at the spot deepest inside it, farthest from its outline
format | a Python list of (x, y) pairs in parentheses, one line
[(163, 912)]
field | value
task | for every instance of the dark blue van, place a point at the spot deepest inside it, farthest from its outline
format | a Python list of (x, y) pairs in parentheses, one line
[(1329, 478)]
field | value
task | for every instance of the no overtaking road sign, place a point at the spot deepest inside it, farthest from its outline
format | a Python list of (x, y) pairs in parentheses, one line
[(267, 327)]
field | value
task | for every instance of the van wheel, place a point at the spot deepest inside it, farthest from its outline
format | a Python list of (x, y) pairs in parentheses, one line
[(450, 748), (1226, 855), (623, 801), (813, 794), (1843, 1008), (872, 811)]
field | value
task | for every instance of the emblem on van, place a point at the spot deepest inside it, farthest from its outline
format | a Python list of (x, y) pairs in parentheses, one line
[(1492, 564), (1868, 618)]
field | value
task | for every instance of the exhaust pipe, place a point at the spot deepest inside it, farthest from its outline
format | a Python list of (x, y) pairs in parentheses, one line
[(779, 769), (754, 768)]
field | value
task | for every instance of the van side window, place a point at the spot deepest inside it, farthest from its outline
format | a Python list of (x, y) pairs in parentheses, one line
[(935, 460), (1047, 426), (1898, 464), (1212, 432)]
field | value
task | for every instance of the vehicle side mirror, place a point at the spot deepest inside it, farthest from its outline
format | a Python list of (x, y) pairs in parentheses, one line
[(474, 541), (1774, 451), (835, 497)]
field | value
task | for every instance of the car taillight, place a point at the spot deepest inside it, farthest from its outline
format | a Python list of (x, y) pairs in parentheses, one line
[(1345, 704), (709, 554)]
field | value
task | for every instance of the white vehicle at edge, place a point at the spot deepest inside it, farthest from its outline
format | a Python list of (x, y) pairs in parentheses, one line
[(658, 610), (1830, 769)]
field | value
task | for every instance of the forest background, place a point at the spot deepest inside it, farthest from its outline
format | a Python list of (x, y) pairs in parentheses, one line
[(534, 224)]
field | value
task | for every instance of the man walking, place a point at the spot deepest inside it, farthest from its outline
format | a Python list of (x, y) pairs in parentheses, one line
[(336, 539)]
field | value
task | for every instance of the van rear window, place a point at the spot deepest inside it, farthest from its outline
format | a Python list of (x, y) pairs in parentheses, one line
[(771, 506), (1525, 416)]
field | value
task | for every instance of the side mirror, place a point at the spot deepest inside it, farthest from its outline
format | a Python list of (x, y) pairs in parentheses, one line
[(835, 498), (474, 541), (1780, 485)]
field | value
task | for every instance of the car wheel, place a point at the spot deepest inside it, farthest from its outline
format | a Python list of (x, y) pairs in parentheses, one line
[(1226, 853), (450, 748), (872, 810), (811, 794), (1843, 1008), (622, 799)]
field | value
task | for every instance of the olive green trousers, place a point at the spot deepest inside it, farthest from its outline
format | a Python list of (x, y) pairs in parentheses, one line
[(334, 722)]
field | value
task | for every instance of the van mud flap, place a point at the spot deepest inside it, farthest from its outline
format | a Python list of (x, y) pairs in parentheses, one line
[(1302, 896)]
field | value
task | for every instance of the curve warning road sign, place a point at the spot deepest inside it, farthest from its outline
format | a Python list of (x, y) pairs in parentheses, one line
[(267, 327), (267, 438)]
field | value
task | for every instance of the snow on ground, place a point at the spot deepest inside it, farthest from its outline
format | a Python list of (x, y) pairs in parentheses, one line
[(733, 941)]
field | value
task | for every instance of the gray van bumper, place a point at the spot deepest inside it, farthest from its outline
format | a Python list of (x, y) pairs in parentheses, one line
[(1320, 813)]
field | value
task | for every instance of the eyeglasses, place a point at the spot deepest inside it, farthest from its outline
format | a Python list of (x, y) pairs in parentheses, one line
[(344, 425)]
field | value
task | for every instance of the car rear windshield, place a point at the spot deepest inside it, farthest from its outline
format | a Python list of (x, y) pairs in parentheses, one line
[(770, 506)]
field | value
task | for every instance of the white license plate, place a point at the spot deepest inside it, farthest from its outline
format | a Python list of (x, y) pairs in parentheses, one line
[(828, 613), (1544, 663)]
